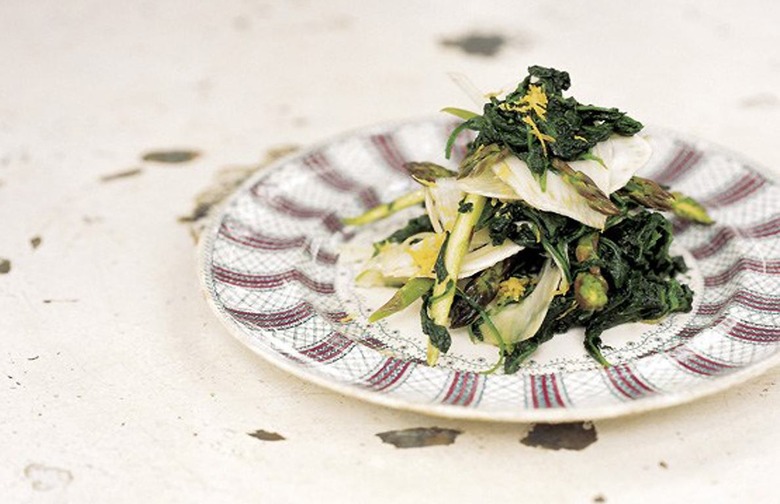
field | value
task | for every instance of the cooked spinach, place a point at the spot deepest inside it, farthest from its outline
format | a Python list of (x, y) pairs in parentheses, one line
[(438, 335), (414, 226), (536, 122)]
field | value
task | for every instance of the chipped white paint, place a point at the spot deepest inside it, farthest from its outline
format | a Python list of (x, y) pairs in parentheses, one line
[(126, 382)]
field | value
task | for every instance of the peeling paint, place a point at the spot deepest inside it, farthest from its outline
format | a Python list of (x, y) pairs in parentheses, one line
[(35, 242), (121, 175), (419, 437), (44, 478), (171, 156), (487, 45), (226, 181), (5, 266), (564, 436), (264, 435)]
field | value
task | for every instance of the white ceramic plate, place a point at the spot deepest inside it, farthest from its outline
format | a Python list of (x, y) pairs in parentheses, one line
[(277, 267)]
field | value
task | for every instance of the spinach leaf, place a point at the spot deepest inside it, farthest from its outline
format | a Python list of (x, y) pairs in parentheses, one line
[(438, 335), (413, 226), (536, 122)]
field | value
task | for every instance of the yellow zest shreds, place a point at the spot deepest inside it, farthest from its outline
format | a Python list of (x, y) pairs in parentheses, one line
[(425, 252), (512, 289), (534, 99), (346, 319), (578, 137), (538, 134)]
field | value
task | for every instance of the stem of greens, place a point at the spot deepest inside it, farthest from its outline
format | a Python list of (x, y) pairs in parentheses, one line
[(413, 290), (449, 263), (386, 209)]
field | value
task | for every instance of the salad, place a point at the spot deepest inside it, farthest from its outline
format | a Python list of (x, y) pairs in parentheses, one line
[(544, 227)]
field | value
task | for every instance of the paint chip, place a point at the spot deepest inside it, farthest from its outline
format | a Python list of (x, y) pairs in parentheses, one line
[(564, 436), (121, 175), (419, 437), (487, 45), (5, 266), (227, 180), (171, 156), (44, 478), (264, 435)]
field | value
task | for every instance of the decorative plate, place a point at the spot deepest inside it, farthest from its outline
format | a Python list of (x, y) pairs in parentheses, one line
[(278, 267)]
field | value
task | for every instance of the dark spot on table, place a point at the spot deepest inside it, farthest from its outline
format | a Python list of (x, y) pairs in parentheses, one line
[(478, 44), (49, 301), (171, 156), (663, 465), (564, 436), (599, 498), (35, 242), (264, 435), (419, 437), (200, 211), (5, 266), (33, 358), (134, 172)]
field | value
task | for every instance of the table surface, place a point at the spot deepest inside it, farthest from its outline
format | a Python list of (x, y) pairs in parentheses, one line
[(120, 385)]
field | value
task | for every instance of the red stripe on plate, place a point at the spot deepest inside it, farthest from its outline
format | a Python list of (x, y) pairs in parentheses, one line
[(271, 281)]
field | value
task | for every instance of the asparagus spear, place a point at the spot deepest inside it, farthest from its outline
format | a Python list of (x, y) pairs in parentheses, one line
[(585, 186), (479, 291), (428, 173), (403, 297), (650, 194), (590, 287), (386, 209), (688, 208), (448, 265)]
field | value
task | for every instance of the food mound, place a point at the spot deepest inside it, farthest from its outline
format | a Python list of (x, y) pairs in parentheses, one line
[(544, 227)]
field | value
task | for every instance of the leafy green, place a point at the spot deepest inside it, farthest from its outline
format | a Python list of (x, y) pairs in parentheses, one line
[(536, 123), (438, 335), (414, 226), (403, 297), (632, 258)]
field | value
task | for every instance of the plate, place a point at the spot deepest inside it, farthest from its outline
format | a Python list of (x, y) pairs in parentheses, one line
[(277, 266)]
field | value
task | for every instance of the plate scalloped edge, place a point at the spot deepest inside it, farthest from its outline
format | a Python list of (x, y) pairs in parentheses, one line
[(297, 367)]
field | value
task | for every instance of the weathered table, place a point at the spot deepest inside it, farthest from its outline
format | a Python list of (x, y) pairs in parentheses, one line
[(121, 122)]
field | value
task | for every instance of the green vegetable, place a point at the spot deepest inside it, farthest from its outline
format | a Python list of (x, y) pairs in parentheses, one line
[(386, 209), (447, 267), (595, 197), (414, 226), (439, 339), (568, 274), (479, 290), (428, 173), (536, 123), (651, 195), (413, 290), (689, 209)]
